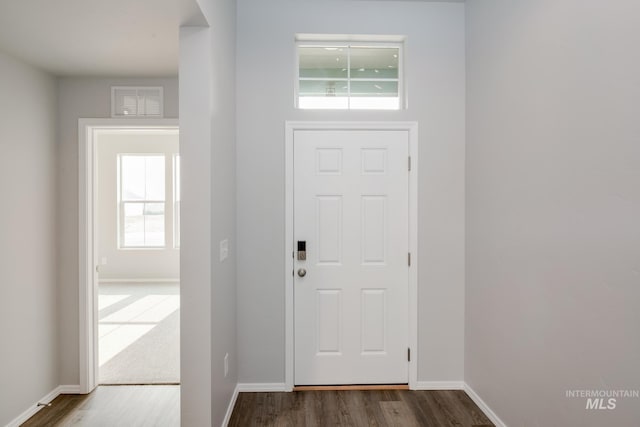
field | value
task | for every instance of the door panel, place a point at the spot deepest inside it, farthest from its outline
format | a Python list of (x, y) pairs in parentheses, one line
[(351, 208)]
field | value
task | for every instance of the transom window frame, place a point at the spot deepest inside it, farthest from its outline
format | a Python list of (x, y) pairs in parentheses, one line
[(353, 41)]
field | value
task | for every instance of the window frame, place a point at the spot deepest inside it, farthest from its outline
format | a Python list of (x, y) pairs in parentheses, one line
[(177, 198), (121, 204), (357, 42)]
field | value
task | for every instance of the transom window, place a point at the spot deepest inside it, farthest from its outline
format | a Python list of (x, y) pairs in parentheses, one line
[(348, 75)]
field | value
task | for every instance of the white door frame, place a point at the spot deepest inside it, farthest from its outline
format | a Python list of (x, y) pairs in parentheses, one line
[(412, 128), (87, 243)]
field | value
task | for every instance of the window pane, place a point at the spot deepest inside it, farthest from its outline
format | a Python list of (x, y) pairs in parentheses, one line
[(154, 177), (133, 234), (323, 62), (143, 179), (380, 63), (334, 77), (374, 88), (133, 177), (375, 103), (330, 88), (324, 94), (319, 102), (154, 224)]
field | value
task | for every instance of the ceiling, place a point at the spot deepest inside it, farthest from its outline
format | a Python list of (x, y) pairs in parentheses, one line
[(94, 37)]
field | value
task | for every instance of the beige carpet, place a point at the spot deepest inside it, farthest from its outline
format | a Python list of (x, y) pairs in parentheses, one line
[(139, 334)]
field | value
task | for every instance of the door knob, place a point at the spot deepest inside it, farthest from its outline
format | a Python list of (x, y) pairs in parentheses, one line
[(302, 272)]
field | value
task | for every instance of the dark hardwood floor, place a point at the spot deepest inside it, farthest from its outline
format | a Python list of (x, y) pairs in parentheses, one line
[(159, 406), (392, 408), (111, 406)]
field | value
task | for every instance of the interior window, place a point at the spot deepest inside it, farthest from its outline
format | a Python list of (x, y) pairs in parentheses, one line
[(349, 76)]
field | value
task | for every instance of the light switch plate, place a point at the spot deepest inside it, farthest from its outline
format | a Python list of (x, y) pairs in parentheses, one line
[(224, 249)]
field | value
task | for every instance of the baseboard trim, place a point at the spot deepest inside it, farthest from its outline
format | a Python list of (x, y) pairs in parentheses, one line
[(261, 387), (232, 404), (69, 389), (116, 281), (360, 387), (33, 409), (483, 406), (438, 385)]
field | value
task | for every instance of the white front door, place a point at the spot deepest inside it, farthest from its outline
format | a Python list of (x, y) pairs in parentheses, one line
[(351, 204)]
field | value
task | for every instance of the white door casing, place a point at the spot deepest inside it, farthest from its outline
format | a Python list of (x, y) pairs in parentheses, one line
[(349, 191), (87, 241)]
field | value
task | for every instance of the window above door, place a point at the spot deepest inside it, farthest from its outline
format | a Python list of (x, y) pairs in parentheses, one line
[(349, 74)]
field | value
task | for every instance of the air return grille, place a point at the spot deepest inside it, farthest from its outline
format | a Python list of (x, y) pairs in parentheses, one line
[(131, 101)]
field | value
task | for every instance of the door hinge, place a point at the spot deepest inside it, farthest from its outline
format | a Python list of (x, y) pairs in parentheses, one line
[(409, 259), (408, 355), (409, 163)]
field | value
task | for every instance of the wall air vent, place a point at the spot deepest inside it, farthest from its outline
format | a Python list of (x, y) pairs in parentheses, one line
[(133, 101)]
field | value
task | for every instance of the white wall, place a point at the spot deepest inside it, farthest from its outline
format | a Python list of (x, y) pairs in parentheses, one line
[(435, 73), (553, 213), (28, 292), (207, 147), (82, 98), (139, 263)]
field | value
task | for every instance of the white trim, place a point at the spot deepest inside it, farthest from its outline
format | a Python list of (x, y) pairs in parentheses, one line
[(232, 404), (358, 38), (483, 406), (69, 389), (33, 409), (261, 387), (438, 385), (87, 244), (413, 248), (139, 281), (412, 128)]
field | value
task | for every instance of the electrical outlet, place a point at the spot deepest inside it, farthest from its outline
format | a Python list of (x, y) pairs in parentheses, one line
[(224, 249), (226, 365), (104, 260)]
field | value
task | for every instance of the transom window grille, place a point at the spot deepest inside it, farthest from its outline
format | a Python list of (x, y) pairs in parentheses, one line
[(132, 101), (337, 75), (142, 201)]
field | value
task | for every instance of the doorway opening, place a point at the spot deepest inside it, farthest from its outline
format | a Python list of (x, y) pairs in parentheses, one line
[(129, 252)]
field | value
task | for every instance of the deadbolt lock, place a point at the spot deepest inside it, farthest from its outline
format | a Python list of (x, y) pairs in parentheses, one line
[(302, 250)]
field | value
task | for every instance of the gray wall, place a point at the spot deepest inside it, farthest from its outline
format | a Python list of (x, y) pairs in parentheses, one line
[(195, 255), (435, 72), (553, 208), (82, 98), (207, 146), (223, 206), (28, 292)]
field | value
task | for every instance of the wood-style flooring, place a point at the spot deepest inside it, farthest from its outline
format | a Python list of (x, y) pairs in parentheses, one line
[(159, 406), (111, 406), (392, 408)]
